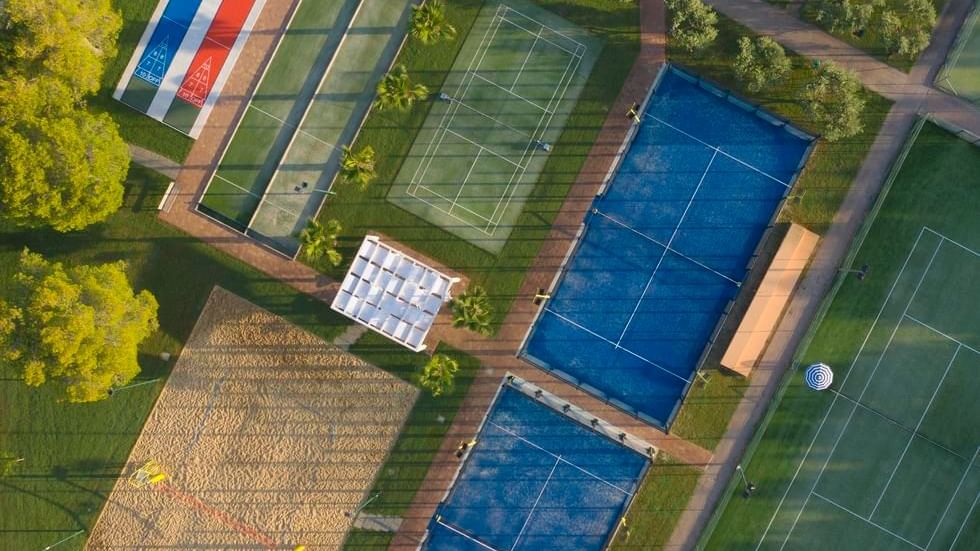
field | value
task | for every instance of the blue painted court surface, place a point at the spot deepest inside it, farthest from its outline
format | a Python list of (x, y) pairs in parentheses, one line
[(166, 39), (666, 248), (536, 480)]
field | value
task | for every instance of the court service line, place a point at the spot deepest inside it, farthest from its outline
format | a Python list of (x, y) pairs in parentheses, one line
[(467, 536), (623, 348), (914, 432), (675, 251), (953, 241), (510, 91), (869, 521), (537, 37), (666, 248), (833, 402), (462, 184), (247, 192), (867, 384), (558, 457), (706, 144), (494, 153), (447, 199), (535, 504), (965, 519), (952, 498), (940, 333), (529, 31), (298, 129)]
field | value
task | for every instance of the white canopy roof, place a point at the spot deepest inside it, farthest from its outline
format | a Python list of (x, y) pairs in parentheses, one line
[(392, 293)]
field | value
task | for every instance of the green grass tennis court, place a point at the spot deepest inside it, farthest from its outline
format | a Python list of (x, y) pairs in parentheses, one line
[(485, 141), (887, 458), (961, 72)]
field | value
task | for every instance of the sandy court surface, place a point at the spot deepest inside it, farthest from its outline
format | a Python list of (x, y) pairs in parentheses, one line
[(260, 424)]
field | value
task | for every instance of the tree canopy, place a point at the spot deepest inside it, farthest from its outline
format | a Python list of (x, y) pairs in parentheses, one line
[(78, 327), (692, 24), (904, 26), (357, 167), (429, 23), (62, 166), (396, 90), (833, 99), (320, 240), (439, 374), (471, 310), (760, 63)]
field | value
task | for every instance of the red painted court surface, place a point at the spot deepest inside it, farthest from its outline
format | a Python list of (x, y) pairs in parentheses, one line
[(213, 53)]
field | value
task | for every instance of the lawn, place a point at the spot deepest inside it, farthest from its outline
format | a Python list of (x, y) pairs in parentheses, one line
[(821, 188), (135, 127), (934, 188), (871, 40), (960, 74), (391, 134), (74, 452)]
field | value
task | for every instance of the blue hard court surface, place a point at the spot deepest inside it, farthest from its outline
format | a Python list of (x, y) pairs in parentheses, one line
[(165, 40), (666, 249), (536, 480)]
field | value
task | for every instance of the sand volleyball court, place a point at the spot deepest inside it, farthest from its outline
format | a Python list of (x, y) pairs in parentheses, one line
[(267, 436)]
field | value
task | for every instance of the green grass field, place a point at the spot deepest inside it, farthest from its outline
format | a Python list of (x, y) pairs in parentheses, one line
[(476, 158), (871, 41), (961, 72), (74, 452), (890, 462), (135, 127), (275, 110)]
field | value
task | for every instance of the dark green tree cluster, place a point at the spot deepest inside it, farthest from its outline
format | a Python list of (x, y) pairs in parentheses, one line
[(904, 26), (760, 63), (60, 165), (692, 24), (834, 101)]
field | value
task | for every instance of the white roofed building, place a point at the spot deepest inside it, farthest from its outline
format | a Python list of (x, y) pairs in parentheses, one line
[(393, 293)]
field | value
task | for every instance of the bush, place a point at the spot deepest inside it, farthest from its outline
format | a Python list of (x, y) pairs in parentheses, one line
[(439, 374), (833, 100), (761, 63), (471, 309), (692, 24)]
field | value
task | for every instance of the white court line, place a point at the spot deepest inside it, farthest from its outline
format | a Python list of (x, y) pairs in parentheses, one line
[(869, 521), (914, 432), (867, 384), (675, 251), (537, 36), (286, 124), (463, 183), (551, 110), (559, 458), (494, 153), (666, 248), (229, 182), (525, 29), (706, 144), (535, 504), (510, 91), (447, 199), (474, 540), (833, 402), (953, 241), (965, 519), (952, 498), (536, 22), (940, 333), (623, 348)]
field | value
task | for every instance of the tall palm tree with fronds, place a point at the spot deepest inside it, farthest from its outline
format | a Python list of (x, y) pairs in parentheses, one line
[(471, 309), (438, 374), (320, 240), (429, 23), (357, 167), (396, 91)]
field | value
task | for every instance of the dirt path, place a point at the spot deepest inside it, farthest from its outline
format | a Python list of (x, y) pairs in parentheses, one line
[(912, 94)]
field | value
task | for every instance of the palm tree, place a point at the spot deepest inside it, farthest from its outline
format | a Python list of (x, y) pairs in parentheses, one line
[(471, 309), (396, 91), (429, 23), (321, 240), (357, 167), (438, 374)]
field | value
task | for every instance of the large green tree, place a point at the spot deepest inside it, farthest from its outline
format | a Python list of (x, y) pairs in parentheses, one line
[(320, 240), (357, 167), (397, 91), (833, 99), (439, 374), (78, 327), (760, 63), (692, 24), (60, 165)]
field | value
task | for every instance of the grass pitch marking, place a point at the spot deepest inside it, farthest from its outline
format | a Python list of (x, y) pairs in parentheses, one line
[(546, 116), (914, 432)]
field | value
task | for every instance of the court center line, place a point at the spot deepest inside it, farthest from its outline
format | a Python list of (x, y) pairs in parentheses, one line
[(492, 152), (867, 384), (443, 197), (914, 432), (869, 521), (537, 37), (565, 461), (952, 498), (675, 251), (666, 248), (833, 402), (462, 184), (706, 144), (535, 504), (510, 92), (529, 31), (940, 333), (623, 348)]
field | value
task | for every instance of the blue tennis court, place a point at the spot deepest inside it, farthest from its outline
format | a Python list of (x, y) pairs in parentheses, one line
[(536, 479), (666, 247)]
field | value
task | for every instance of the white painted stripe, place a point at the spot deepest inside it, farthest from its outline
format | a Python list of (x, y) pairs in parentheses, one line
[(183, 56), (134, 59)]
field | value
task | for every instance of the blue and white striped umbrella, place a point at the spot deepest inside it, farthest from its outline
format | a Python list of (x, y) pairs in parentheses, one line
[(819, 376)]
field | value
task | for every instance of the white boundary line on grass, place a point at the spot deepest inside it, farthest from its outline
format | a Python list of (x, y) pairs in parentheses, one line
[(940, 333), (876, 525), (965, 519), (949, 503), (833, 402)]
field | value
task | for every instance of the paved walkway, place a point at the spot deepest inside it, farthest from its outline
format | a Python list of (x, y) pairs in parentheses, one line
[(912, 94), (154, 160)]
